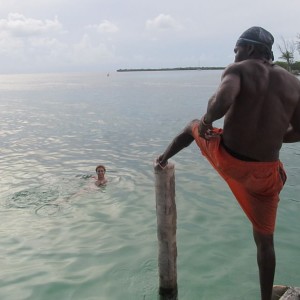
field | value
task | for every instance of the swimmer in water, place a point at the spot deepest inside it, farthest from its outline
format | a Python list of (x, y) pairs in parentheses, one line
[(101, 180)]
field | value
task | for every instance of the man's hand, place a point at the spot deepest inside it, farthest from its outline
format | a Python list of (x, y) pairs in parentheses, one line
[(160, 162), (205, 129)]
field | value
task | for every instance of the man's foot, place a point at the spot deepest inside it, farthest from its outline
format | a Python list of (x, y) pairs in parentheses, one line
[(278, 291)]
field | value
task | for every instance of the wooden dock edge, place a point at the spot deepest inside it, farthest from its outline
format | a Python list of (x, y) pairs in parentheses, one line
[(283, 292)]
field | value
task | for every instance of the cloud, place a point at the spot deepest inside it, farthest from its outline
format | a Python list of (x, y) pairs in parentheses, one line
[(39, 44), (105, 27), (28, 42), (9, 45), (162, 22), (20, 35), (89, 52), (19, 26)]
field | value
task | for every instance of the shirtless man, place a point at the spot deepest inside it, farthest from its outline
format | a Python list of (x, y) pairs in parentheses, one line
[(100, 179), (261, 105)]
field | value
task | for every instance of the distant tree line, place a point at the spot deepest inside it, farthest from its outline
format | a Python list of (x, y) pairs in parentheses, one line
[(287, 50), (172, 69)]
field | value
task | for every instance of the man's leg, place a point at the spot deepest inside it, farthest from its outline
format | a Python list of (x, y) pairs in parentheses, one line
[(266, 263)]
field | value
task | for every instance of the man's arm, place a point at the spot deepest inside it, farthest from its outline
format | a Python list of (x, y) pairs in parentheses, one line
[(293, 132), (291, 136), (182, 140), (225, 96)]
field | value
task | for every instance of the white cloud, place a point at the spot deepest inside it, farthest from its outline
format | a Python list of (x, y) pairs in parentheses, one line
[(38, 43), (9, 45), (18, 25), (44, 42), (87, 52), (162, 22), (105, 27), (27, 42)]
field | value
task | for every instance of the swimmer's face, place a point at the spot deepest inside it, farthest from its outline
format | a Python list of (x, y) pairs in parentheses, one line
[(100, 171)]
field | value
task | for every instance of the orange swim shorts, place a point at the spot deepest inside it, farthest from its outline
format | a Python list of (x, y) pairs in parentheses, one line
[(256, 185)]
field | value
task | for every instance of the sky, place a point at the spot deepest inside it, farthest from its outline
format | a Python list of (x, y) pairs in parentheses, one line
[(106, 35)]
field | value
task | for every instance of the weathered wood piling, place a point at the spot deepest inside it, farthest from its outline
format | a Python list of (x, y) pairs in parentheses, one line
[(166, 230)]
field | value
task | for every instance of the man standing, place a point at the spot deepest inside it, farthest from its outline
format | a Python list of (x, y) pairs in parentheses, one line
[(261, 105)]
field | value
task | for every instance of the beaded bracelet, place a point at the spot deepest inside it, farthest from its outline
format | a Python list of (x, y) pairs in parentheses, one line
[(203, 122)]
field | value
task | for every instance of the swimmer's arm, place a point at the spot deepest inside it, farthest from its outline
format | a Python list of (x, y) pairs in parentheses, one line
[(182, 140), (225, 96)]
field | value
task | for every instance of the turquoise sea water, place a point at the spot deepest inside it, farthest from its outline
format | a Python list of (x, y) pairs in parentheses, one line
[(61, 237)]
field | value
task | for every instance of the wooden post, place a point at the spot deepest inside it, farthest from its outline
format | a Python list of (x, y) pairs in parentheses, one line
[(166, 229)]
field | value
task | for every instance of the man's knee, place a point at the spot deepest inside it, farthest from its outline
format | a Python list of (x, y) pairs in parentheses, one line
[(263, 241)]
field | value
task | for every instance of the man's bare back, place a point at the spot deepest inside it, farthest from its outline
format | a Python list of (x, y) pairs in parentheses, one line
[(258, 119)]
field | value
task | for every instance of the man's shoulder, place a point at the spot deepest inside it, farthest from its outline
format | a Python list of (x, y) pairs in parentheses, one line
[(283, 72), (245, 64), (255, 66), (237, 67)]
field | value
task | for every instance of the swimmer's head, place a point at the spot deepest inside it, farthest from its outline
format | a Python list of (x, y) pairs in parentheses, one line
[(99, 167)]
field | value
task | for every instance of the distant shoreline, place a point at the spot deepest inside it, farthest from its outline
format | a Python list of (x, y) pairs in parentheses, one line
[(172, 69)]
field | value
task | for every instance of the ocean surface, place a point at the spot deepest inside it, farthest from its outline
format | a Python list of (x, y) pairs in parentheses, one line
[(61, 237)]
